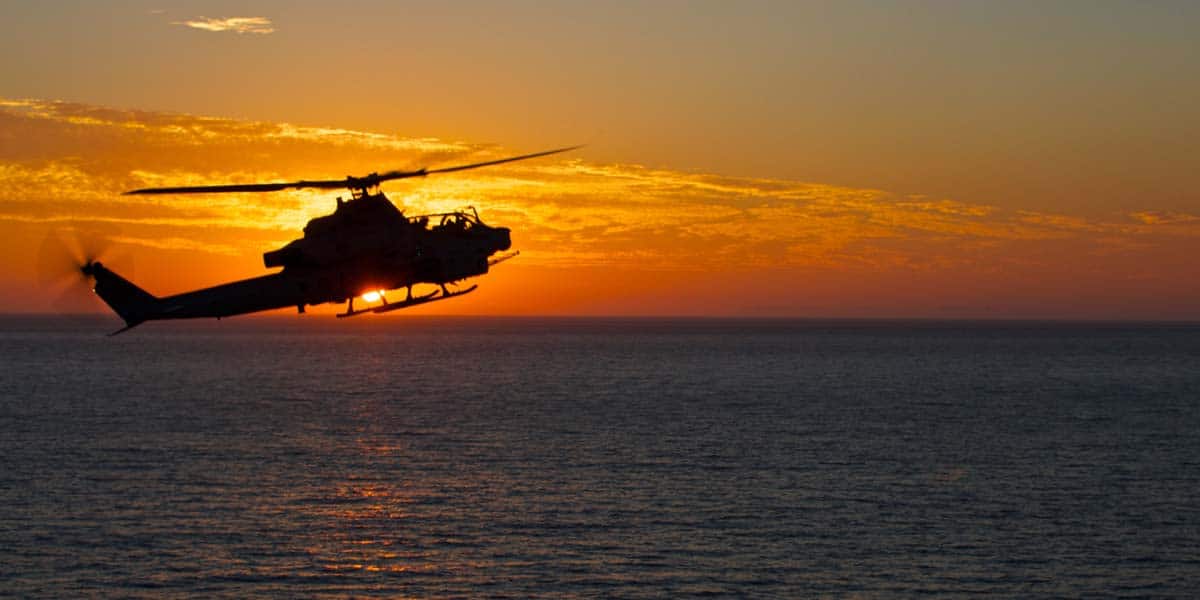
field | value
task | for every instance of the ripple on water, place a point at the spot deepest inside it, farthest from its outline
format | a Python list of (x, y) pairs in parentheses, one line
[(591, 458)]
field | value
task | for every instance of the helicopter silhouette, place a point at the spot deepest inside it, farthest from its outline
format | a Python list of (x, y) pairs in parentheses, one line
[(365, 247)]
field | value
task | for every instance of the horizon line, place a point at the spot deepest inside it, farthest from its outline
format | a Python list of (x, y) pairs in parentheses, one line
[(583, 317)]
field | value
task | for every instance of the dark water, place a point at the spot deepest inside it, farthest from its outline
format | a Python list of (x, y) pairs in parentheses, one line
[(558, 458)]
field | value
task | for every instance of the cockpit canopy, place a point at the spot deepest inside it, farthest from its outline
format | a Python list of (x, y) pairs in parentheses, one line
[(448, 222)]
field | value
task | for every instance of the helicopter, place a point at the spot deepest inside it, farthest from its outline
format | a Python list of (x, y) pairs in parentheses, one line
[(364, 248)]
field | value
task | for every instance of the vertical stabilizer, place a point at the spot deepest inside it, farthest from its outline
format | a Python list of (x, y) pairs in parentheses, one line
[(133, 304)]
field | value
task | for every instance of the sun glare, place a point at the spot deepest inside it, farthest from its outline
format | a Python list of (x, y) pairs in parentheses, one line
[(372, 296)]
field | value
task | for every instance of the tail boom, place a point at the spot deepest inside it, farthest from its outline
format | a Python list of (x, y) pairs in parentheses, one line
[(135, 305)]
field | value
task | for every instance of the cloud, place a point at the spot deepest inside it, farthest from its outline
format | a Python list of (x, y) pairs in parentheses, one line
[(238, 25), (68, 162), (1153, 217), (78, 158)]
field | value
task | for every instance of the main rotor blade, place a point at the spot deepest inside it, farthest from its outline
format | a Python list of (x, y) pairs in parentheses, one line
[(371, 180), (245, 187), (423, 172)]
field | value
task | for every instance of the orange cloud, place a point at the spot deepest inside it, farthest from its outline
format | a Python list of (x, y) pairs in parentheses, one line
[(239, 25), (626, 225)]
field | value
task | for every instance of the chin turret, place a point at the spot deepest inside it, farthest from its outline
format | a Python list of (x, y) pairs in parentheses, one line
[(503, 238)]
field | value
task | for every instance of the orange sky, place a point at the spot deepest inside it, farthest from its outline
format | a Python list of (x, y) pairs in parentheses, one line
[(762, 158), (596, 238)]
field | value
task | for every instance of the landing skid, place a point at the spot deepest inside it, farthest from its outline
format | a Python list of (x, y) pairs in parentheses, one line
[(434, 296), (430, 297), (354, 313), (448, 294)]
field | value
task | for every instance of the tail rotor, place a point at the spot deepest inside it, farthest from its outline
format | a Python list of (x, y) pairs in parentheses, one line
[(67, 267)]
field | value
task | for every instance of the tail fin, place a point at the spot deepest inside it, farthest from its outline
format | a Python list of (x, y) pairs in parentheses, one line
[(133, 304)]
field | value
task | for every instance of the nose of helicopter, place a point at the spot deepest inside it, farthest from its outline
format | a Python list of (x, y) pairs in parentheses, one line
[(503, 238)]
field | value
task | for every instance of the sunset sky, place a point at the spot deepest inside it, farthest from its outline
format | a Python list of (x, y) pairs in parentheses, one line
[(808, 159)]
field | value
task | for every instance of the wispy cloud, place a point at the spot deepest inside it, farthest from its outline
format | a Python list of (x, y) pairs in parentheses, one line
[(566, 209), (568, 215), (239, 25)]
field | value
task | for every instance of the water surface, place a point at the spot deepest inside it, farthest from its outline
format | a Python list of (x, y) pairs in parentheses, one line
[(424, 456)]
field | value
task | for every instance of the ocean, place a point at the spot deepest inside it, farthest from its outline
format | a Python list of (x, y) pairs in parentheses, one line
[(625, 458)]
